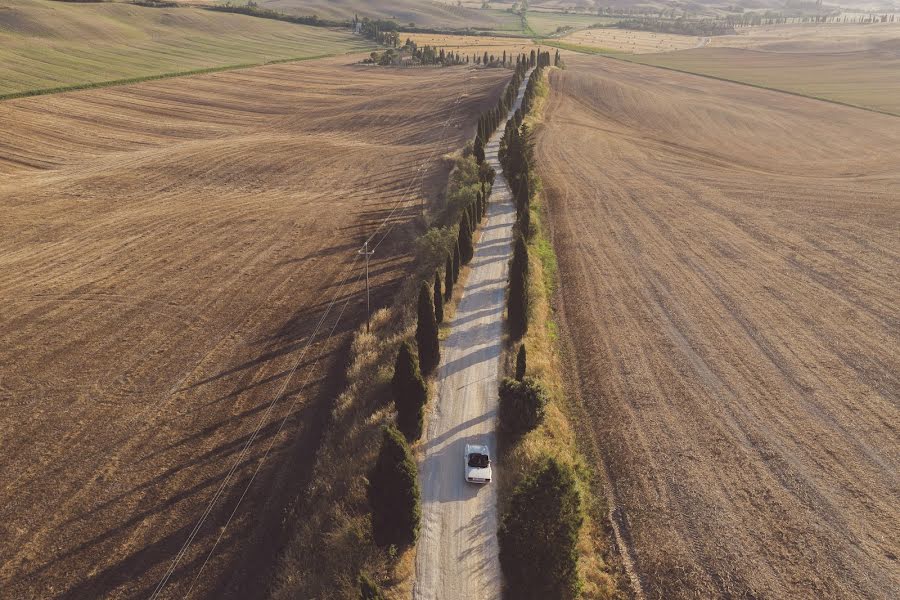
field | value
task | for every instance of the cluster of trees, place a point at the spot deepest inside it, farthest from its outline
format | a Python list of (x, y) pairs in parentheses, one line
[(252, 9), (431, 55), (383, 31), (702, 27)]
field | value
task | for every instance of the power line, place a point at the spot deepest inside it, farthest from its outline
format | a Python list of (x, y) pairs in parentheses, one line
[(220, 490)]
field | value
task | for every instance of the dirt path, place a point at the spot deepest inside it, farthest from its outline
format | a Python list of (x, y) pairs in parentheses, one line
[(729, 263), (456, 557), (166, 251)]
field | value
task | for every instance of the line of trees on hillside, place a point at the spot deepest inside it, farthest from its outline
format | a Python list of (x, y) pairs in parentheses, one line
[(701, 27), (252, 9)]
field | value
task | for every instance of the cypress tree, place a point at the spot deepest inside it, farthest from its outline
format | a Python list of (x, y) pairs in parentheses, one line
[(448, 278), (438, 298), (456, 261), (485, 57), (520, 363), (523, 195), (518, 290), (479, 149), (525, 223), (427, 332), (538, 535), (394, 492), (410, 393), (466, 251)]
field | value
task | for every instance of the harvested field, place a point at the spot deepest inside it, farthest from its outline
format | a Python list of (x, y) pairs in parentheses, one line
[(729, 264), (46, 44), (853, 64), (827, 38), (632, 42), (866, 79), (166, 251)]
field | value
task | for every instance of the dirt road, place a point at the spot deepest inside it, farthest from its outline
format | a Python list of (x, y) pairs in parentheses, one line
[(456, 556), (729, 265), (166, 251)]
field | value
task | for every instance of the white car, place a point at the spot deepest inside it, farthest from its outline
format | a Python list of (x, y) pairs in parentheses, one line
[(478, 464)]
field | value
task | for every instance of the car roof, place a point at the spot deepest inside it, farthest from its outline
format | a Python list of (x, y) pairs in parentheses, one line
[(470, 448)]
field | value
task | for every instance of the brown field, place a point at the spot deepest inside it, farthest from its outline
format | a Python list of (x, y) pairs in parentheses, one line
[(166, 251), (729, 264), (632, 42), (853, 64)]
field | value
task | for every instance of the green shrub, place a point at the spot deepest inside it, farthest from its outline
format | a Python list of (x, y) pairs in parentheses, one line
[(394, 493), (538, 535), (427, 332), (410, 393), (522, 404)]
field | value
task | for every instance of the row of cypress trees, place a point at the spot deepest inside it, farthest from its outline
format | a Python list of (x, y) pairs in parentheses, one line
[(393, 491), (539, 529), (490, 120)]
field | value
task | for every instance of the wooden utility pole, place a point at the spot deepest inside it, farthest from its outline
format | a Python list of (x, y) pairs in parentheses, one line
[(365, 251)]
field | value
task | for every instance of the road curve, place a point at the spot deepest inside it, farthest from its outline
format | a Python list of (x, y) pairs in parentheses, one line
[(457, 550)]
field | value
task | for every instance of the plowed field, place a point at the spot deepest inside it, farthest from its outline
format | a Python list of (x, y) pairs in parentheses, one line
[(729, 262), (166, 252)]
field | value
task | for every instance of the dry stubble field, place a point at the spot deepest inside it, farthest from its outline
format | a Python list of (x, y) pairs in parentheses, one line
[(730, 264), (853, 64), (166, 250)]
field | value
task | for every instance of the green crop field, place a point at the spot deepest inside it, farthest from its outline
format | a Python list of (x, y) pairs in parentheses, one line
[(46, 45)]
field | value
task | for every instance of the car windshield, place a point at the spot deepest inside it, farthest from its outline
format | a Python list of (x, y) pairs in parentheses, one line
[(478, 461)]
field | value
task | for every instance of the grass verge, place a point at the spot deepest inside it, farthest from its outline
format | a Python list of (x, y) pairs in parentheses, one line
[(556, 436)]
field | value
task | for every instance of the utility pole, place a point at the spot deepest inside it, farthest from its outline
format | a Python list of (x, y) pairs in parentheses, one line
[(365, 251)]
